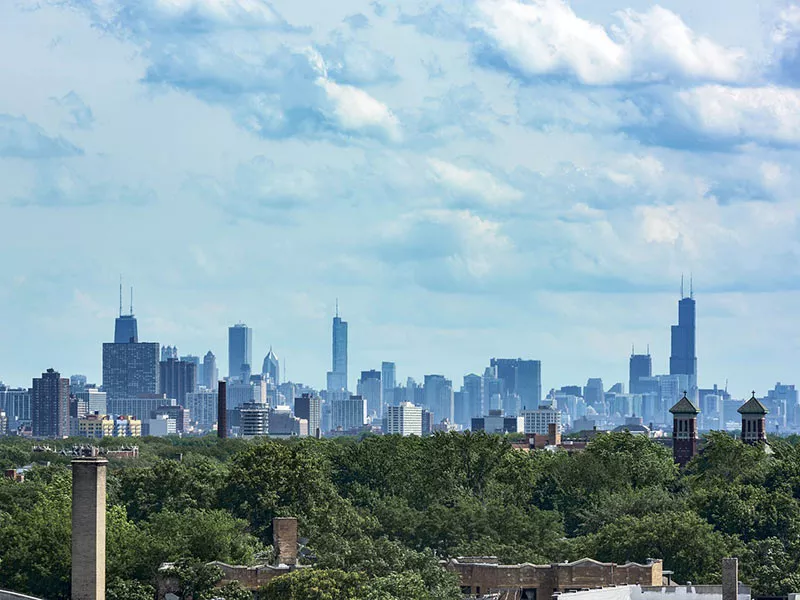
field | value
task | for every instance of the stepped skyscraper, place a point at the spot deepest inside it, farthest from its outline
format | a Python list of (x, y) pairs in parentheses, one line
[(683, 359), (337, 376)]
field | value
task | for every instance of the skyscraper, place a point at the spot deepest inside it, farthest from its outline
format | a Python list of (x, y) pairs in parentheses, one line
[(125, 329), (308, 407), (130, 367), (520, 377), (240, 350), (50, 405), (388, 379), (370, 388), (473, 395), (439, 397), (337, 376), (641, 365), (272, 367), (683, 359), (177, 378), (210, 372)]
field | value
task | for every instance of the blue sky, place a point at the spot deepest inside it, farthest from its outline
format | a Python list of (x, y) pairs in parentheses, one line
[(470, 178)]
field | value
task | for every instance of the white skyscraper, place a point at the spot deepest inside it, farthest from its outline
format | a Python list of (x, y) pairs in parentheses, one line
[(405, 419)]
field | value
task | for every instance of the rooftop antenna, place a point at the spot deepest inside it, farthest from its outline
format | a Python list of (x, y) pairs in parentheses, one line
[(633, 349), (681, 285), (337, 307), (131, 300), (691, 286), (648, 349), (120, 294)]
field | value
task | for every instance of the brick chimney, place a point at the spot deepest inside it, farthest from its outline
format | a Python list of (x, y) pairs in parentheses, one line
[(284, 540), (89, 528), (730, 578)]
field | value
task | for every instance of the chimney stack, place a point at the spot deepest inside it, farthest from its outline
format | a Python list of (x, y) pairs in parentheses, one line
[(89, 528), (222, 410), (284, 540), (730, 578)]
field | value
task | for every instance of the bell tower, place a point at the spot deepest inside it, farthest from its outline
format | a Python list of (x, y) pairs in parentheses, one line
[(684, 430)]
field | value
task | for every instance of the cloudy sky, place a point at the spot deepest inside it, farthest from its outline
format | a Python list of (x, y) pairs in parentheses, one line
[(471, 178)]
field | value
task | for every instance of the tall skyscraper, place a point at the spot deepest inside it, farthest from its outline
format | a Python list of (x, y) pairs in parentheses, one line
[(683, 359), (130, 367), (473, 395), (50, 405), (210, 372), (309, 407), (388, 379), (370, 388), (272, 367), (439, 397), (594, 394), (641, 365), (240, 350), (348, 414), (337, 376), (520, 377), (177, 378), (125, 328)]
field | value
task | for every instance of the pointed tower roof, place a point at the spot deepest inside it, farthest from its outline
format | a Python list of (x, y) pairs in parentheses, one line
[(752, 407), (684, 407)]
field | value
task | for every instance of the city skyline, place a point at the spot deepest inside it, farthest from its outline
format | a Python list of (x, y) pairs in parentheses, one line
[(463, 199), (130, 321)]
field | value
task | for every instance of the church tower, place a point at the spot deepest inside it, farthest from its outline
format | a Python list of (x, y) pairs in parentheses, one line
[(684, 430), (754, 418)]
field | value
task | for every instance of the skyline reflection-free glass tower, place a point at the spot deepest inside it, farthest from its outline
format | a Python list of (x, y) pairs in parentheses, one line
[(683, 358)]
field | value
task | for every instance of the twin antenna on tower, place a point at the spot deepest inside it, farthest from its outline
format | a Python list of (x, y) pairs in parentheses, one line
[(120, 297)]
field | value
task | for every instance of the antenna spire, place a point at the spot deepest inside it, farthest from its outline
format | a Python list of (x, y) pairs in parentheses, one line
[(337, 307), (691, 286), (633, 349), (648, 349), (131, 300), (682, 286), (120, 294)]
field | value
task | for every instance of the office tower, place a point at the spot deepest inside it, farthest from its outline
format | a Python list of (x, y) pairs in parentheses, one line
[(785, 395), (283, 424), (309, 407), (594, 394), (493, 390), (253, 419), (539, 420), (506, 369), (168, 352), (388, 379), (684, 431), (370, 388), (130, 367), (461, 408), (202, 407), (754, 416), (640, 365), (195, 360), (140, 406), (77, 383), (94, 400), (428, 421), (348, 414), (50, 405), (497, 422), (337, 377), (177, 378), (404, 419), (683, 358), (473, 395), (175, 412), (16, 403), (439, 397), (240, 350), (529, 382), (210, 371), (271, 367)]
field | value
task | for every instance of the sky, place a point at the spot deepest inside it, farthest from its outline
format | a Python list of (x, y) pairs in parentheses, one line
[(470, 178)]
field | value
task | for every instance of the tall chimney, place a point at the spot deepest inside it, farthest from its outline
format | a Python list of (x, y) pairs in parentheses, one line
[(222, 410), (730, 578), (89, 528), (284, 540)]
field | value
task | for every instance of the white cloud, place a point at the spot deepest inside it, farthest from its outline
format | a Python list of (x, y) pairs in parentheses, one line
[(472, 183), (765, 114), (546, 37), (356, 111)]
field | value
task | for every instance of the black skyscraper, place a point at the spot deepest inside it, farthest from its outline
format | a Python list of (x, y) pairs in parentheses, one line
[(641, 365), (177, 378), (50, 405), (683, 359)]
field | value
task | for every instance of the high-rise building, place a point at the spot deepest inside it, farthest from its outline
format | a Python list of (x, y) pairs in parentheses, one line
[(77, 383), (370, 388), (786, 395), (337, 376), (388, 379), (16, 403), (473, 395), (94, 399), (309, 407), (168, 352), (640, 365), (202, 407), (254, 419), (538, 421), (195, 360), (683, 358), (497, 422), (177, 378), (283, 424), (439, 397), (272, 367), (240, 351), (404, 419), (594, 394), (210, 372), (348, 414), (50, 405), (529, 382), (130, 367), (493, 390)]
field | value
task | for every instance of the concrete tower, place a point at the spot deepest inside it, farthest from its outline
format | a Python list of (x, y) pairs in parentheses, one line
[(684, 430), (89, 528), (754, 416)]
